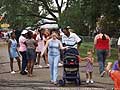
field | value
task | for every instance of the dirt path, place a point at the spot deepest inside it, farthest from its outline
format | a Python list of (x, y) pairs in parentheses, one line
[(40, 80)]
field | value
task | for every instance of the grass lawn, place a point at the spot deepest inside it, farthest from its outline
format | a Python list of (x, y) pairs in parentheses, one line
[(89, 45)]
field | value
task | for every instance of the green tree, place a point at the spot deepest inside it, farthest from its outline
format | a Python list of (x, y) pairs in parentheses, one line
[(82, 15), (22, 13)]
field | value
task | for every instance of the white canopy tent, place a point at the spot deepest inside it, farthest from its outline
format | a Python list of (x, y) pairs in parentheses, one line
[(50, 26)]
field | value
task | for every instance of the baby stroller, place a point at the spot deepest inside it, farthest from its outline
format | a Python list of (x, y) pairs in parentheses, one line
[(70, 67)]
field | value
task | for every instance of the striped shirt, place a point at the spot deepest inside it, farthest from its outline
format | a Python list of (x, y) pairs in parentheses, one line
[(72, 40)]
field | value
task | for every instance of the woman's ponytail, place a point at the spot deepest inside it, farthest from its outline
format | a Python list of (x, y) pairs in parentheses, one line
[(103, 37), (40, 32), (41, 36)]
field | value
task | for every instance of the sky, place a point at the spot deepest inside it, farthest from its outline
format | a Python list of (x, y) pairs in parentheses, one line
[(55, 5), (60, 3)]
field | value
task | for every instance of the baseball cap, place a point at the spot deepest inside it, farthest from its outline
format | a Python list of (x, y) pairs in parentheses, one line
[(24, 32), (67, 28)]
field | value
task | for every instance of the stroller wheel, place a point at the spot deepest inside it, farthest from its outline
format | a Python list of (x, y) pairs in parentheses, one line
[(78, 82), (61, 82)]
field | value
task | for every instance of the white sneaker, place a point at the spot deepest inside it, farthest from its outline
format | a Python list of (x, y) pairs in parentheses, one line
[(55, 83), (102, 74), (60, 64), (51, 81), (12, 72), (48, 65), (40, 66), (26, 70), (87, 81), (91, 81)]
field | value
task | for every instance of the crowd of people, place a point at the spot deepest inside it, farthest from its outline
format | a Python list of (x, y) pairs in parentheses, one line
[(50, 44), (40, 44)]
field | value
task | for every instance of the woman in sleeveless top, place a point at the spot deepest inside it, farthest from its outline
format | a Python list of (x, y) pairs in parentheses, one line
[(102, 46), (54, 45), (13, 52)]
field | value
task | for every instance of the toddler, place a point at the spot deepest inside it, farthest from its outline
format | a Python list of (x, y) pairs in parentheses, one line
[(89, 66)]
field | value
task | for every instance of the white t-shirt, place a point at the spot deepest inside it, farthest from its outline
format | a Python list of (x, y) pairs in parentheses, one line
[(118, 41), (71, 40)]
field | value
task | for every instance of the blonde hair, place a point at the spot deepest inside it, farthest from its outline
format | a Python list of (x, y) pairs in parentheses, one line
[(89, 52)]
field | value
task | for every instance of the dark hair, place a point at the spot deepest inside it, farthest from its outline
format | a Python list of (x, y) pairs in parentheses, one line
[(102, 31), (66, 28), (90, 50), (119, 63), (12, 33), (29, 34), (40, 33), (103, 37)]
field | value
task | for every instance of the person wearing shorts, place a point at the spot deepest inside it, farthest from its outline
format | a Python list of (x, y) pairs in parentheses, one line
[(13, 52), (31, 45)]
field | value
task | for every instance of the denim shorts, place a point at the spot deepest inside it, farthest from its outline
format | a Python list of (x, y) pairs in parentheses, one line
[(30, 54)]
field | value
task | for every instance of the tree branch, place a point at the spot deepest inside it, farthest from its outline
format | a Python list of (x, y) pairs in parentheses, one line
[(58, 6), (67, 4), (49, 23), (61, 4), (48, 9), (36, 16), (54, 10)]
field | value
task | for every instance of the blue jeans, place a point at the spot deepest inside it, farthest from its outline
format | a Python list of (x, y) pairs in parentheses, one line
[(24, 60), (101, 56), (53, 61)]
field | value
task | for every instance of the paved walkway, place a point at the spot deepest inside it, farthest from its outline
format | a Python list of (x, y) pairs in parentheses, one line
[(40, 79)]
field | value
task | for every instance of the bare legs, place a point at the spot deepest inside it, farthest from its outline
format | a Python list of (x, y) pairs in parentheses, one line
[(11, 64), (30, 66), (46, 57), (18, 62), (89, 77)]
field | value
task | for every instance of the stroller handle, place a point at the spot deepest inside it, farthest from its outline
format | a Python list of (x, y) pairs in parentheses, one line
[(71, 51), (67, 45)]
